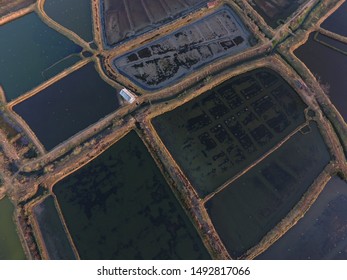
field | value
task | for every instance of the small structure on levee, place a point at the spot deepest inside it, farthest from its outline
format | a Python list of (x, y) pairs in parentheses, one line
[(127, 95)]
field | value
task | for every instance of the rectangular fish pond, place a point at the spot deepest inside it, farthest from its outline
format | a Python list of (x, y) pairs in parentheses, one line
[(68, 106), (221, 132), (75, 15), (166, 60), (124, 19), (337, 22), (29, 52), (328, 62), (321, 234), (119, 206), (246, 210), (52, 231)]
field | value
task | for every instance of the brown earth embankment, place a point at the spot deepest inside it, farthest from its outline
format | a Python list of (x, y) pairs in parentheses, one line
[(12, 9)]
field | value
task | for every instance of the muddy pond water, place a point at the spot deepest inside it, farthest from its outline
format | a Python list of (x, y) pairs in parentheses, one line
[(10, 245)]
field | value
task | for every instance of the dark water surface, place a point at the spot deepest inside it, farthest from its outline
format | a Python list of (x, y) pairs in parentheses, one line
[(75, 15), (29, 47), (52, 231), (10, 246), (119, 206), (252, 205), (330, 42), (221, 132), (123, 20), (331, 66), (68, 106), (275, 12), (321, 233), (337, 22)]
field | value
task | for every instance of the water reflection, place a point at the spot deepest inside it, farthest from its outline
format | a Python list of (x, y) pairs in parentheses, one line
[(29, 47), (68, 106), (330, 66), (321, 233), (119, 206)]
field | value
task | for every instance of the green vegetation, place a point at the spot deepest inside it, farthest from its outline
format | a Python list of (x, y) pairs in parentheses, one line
[(10, 246)]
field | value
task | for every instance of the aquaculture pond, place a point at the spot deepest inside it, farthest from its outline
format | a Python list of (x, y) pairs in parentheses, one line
[(28, 48), (10, 245), (221, 132), (166, 60), (330, 66), (52, 231), (125, 19), (252, 205), (75, 15), (68, 106), (321, 233), (119, 206), (337, 22), (275, 12)]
